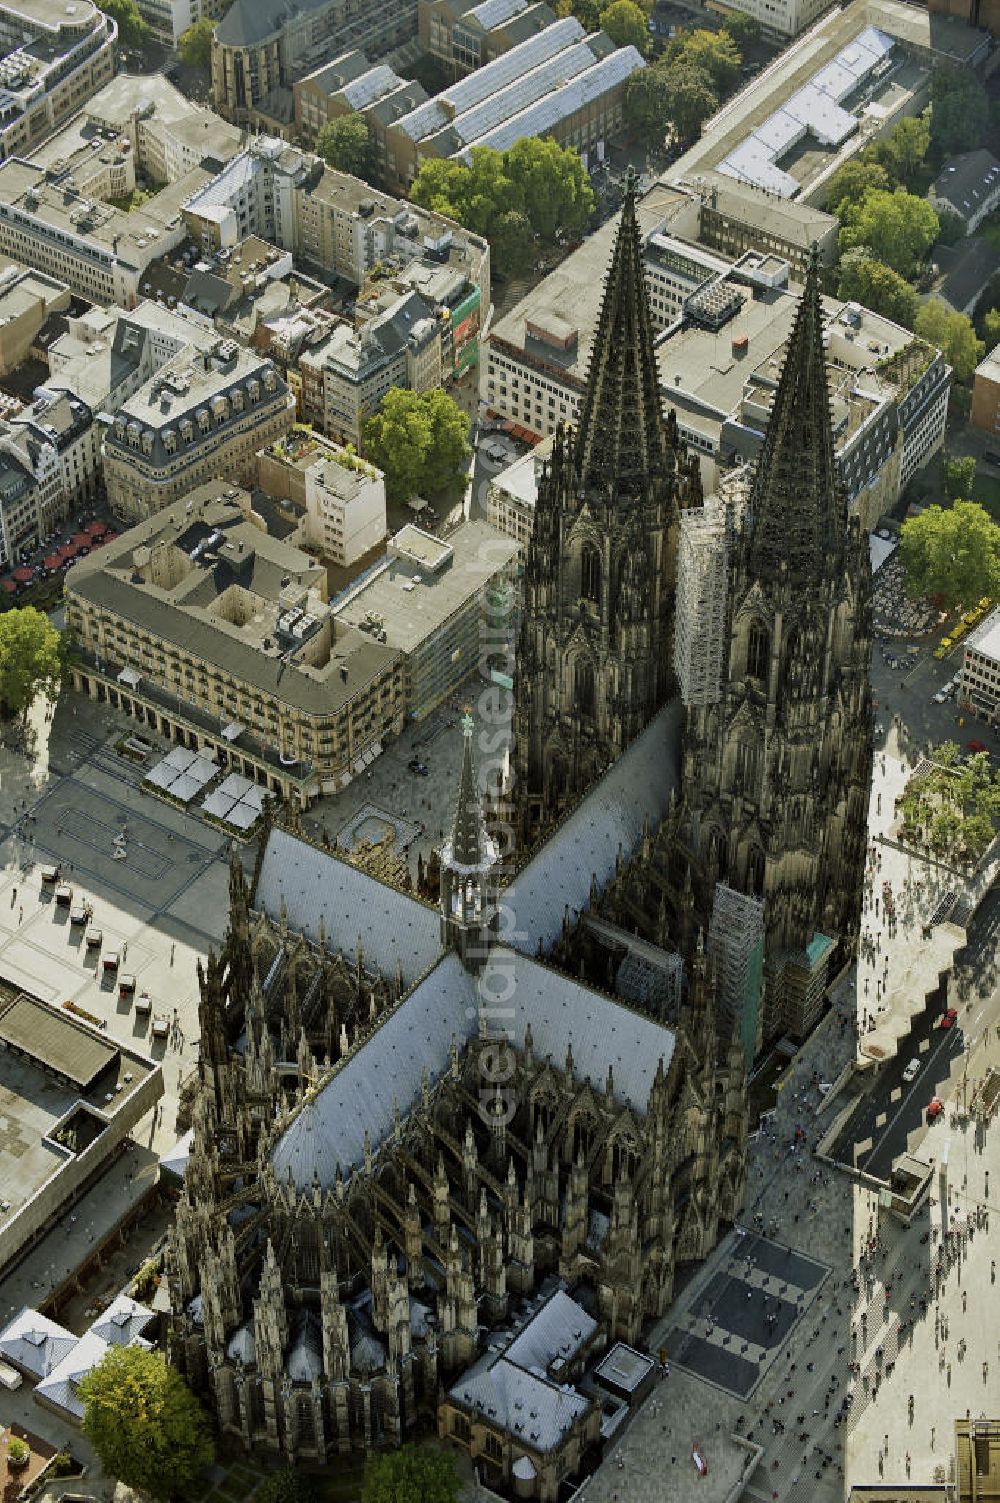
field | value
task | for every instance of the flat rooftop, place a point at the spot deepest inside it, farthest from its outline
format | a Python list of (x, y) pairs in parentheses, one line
[(224, 587), (986, 638), (59, 1063), (412, 599)]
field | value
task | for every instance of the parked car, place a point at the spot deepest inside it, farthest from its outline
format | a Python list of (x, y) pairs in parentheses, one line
[(977, 746), (912, 1071), (949, 1018)]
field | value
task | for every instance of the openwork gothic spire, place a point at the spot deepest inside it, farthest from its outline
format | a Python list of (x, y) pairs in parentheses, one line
[(799, 510), (620, 439), (467, 841)]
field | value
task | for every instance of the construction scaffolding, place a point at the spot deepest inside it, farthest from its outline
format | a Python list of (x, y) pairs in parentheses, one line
[(736, 949), (707, 536)]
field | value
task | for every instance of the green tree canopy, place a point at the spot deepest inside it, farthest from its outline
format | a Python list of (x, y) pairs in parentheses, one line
[(625, 24), (344, 143), (144, 1422), (30, 659), (133, 29), (690, 98), (959, 477), (195, 45), (851, 182), (587, 12), (991, 326), (898, 227), (960, 110), (865, 280), (646, 102), (903, 149), (714, 51), (952, 552), (536, 178), (410, 1475), (743, 28), (511, 244), (954, 335), (419, 440)]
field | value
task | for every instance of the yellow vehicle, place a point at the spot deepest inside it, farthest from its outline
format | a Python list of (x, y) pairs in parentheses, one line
[(958, 631), (970, 618), (985, 603)]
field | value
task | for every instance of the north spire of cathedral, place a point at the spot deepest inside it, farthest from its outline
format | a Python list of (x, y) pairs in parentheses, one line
[(467, 840), (621, 440), (799, 509)]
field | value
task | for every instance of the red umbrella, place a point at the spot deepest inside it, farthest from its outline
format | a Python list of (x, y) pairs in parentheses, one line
[(81, 540), (68, 550), (51, 561), (23, 576), (110, 537), (9, 586), (94, 529)]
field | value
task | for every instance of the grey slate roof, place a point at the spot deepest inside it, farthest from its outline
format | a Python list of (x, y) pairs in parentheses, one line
[(35, 1344), (417, 1035), (248, 22), (637, 787), (353, 906), (61, 1387), (535, 1412), (560, 1329), (967, 181), (123, 1321)]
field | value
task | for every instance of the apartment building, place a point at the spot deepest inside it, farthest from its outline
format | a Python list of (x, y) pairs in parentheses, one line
[(397, 342), (335, 501), (986, 396), (204, 413), (979, 687), (52, 59), (63, 421), (722, 327), (465, 35), (430, 599), (328, 219), (168, 134), (27, 298), (168, 20), (559, 83), (49, 463), (261, 47), (201, 624)]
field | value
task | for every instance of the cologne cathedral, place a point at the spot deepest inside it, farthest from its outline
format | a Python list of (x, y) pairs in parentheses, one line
[(408, 1115)]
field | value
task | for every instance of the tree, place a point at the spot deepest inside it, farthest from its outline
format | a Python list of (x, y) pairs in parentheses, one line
[(144, 1422), (689, 98), (132, 27), (556, 192), (743, 28), (960, 110), (30, 659), (952, 552), (903, 150), (195, 45), (865, 280), (419, 440), (898, 227), (625, 24), (646, 101), (851, 182), (991, 326), (511, 244), (713, 51), (344, 143), (959, 477), (410, 1475), (587, 12), (952, 227), (287, 1486), (954, 335)]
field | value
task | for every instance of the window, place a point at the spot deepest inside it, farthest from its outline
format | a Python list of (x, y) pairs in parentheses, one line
[(583, 685), (492, 1448), (590, 573), (758, 651)]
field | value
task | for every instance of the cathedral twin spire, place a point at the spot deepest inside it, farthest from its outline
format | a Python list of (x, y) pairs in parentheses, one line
[(799, 508), (621, 442)]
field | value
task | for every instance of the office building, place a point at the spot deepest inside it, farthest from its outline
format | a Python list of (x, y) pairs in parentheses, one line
[(52, 58), (559, 83), (261, 47), (430, 599), (27, 298), (203, 625), (168, 20), (351, 84), (202, 409), (335, 500), (979, 686), (168, 133), (761, 166), (985, 412)]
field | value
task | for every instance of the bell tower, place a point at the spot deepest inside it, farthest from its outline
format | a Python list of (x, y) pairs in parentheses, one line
[(468, 887)]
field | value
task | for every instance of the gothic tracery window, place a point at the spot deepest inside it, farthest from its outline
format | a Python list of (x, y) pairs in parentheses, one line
[(590, 574), (583, 686), (758, 651)]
